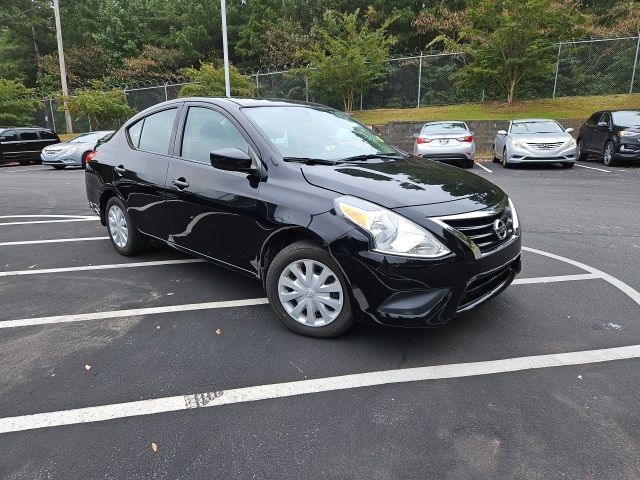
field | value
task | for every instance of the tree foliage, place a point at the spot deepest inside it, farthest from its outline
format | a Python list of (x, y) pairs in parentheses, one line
[(102, 108), (347, 56), (209, 82), (17, 103)]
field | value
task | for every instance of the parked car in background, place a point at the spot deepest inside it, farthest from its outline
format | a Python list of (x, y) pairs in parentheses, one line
[(535, 140), (448, 142), (75, 151), (335, 222), (24, 144), (613, 135)]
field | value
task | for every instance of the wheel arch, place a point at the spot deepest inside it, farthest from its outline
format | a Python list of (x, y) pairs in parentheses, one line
[(106, 194)]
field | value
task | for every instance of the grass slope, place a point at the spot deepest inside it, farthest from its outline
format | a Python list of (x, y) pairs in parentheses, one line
[(565, 108)]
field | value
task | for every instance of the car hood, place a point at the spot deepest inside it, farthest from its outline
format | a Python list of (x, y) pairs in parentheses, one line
[(406, 182), (63, 146), (542, 137)]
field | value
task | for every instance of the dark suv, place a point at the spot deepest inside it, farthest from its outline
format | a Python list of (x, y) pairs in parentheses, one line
[(335, 222), (612, 135), (24, 145)]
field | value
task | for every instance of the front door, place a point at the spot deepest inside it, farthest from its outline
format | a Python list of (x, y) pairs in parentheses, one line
[(210, 211), (601, 133), (9, 146)]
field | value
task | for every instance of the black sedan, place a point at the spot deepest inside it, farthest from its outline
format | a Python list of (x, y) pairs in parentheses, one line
[(336, 223), (613, 135)]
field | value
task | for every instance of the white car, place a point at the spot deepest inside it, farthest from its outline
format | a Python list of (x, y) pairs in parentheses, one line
[(448, 142), (535, 140)]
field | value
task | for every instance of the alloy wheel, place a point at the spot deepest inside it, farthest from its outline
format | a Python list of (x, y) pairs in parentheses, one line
[(118, 226), (310, 293), (608, 153)]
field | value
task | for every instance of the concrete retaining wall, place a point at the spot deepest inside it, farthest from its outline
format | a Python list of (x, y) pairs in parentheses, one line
[(401, 133)]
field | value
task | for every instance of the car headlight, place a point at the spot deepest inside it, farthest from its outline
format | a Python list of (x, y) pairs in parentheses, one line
[(391, 233), (515, 143), (514, 217), (627, 133), (71, 149), (571, 143)]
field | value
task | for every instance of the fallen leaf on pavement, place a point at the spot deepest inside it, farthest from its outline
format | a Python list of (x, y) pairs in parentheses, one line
[(218, 331), (87, 367), (154, 446)]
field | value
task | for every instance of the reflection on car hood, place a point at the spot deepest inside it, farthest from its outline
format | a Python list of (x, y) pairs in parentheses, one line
[(64, 145), (542, 137), (401, 183)]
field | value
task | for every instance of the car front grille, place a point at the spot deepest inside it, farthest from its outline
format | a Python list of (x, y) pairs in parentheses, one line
[(484, 285), (545, 146), (482, 230)]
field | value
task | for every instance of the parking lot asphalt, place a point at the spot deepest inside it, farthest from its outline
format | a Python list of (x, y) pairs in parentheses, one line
[(106, 362)]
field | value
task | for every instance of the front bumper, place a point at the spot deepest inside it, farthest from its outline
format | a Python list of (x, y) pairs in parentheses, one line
[(628, 151), (532, 155), (62, 158), (410, 292)]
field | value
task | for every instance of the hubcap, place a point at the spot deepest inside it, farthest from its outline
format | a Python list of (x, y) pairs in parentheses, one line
[(118, 226), (310, 293), (608, 153)]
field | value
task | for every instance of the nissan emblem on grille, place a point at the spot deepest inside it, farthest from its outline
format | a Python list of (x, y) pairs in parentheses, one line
[(500, 229)]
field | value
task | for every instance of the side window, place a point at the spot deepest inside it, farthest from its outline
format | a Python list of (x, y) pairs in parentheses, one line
[(206, 130), (28, 135), (134, 133), (47, 135), (606, 117), (593, 119), (8, 136), (156, 131)]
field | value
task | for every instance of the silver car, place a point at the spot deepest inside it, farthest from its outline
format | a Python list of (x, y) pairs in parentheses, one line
[(535, 140), (73, 152), (450, 142)]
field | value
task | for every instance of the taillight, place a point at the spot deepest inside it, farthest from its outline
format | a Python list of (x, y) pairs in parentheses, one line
[(89, 156), (423, 140), (467, 139)]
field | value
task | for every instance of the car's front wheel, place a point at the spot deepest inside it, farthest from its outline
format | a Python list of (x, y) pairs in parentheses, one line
[(505, 162), (581, 154), (308, 292), (608, 154), (124, 236), (59, 167)]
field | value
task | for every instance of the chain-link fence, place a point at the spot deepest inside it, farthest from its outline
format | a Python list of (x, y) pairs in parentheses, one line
[(585, 67)]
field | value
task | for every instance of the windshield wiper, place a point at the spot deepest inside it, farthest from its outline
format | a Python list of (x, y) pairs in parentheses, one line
[(310, 161), (369, 156)]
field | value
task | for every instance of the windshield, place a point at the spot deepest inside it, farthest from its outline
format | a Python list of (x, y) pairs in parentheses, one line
[(88, 137), (536, 127), (626, 119), (300, 132), (445, 127)]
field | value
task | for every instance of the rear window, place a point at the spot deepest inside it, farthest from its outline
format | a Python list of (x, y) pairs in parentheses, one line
[(445, 127), (28, 135)]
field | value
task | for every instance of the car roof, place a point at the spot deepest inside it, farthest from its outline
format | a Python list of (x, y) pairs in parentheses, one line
[(532, 120), (445, 121)]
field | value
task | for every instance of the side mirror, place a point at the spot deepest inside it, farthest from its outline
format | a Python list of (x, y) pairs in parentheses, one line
[(231, 159), (502, 132), (569, 130), (603, 124)]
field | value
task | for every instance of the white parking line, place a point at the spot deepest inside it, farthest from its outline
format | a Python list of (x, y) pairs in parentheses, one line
[(483, 167), (134, 312), (42, 271), (49, 216), (305, 387), (55, 240), (593, 168), (559, 278)]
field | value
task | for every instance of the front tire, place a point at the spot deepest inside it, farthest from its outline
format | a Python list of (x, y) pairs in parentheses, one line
[(495, 155), (24, 163), (568, 165), (125, 237), (59, 167), (608, 154), (505, 163), (308, 292), (468, 164), (582, 155)]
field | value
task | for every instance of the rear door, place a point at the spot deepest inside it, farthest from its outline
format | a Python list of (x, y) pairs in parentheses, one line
[(9, 146), (211, 211), (601, 133), (30, 145), (588, 131), (140, 171)]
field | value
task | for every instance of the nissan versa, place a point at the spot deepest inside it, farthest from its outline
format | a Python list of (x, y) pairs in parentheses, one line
[(336, 223)]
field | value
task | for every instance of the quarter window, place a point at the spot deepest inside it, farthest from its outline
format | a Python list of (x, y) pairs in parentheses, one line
[(206, 130), (156, 131), (47, 135), (134, 133), (28, 135), (9, 136)]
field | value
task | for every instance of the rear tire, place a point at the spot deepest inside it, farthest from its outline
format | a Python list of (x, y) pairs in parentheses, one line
[(59, 167), (582, 155), (125, 237), (468, 164), (608, 154), (290, 282), (24, 163)]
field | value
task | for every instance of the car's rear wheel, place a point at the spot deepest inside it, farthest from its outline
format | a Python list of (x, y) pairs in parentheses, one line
[(59, 167), (608, 154), (582, 155), (24, 162), (308, 292), (124, 236), (468, 164)]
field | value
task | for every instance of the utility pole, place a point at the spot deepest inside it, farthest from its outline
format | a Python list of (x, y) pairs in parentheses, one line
[(63, 69), (225, 48)]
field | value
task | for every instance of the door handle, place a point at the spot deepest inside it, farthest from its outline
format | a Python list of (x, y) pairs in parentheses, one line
[(180, 183), (120, 169)]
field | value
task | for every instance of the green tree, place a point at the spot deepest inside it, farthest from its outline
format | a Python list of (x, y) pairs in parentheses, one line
[(209, 82), (510, 41), (17, 103), (103, 108), (348, 55)]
